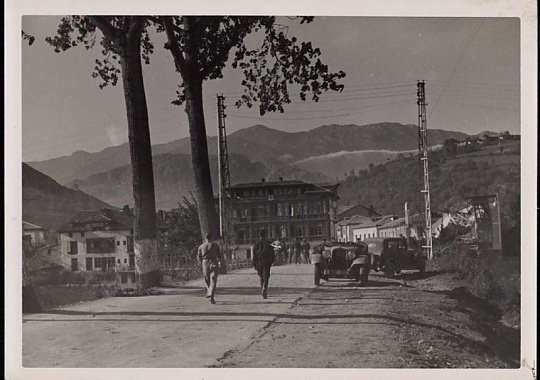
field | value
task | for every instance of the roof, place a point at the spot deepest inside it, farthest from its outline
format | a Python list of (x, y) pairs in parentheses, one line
[(29, 226), (401, 221), (343, 209), (377, 222), (321, 187), (115, 219), (268, 184), (356, 219)]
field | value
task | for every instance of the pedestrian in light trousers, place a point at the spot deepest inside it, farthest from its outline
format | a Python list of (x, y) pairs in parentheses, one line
[(211, 258)]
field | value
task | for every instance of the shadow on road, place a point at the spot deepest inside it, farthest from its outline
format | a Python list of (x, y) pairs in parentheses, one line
[(417, 275), (241, 290)]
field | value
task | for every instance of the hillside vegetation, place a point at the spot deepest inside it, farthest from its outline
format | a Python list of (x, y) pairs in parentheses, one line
[(452, 179)]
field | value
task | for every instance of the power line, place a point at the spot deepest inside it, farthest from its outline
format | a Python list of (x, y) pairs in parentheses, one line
[(459, 63)]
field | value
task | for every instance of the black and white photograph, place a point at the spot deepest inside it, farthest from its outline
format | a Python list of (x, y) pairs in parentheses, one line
[(293, 188)]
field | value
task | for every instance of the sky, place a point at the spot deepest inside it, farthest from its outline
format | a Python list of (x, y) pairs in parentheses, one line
[(471, 67)]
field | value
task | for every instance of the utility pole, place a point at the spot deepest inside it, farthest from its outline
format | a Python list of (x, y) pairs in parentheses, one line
[(225, 225), (423, 157)]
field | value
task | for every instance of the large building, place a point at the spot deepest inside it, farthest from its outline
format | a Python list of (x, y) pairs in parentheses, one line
[(283, 209)]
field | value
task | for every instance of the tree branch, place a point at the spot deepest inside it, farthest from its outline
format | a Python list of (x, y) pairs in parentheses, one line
[(172, 45), (107, 29)]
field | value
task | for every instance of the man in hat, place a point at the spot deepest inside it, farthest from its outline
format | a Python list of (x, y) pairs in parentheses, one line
[(211, 258), (263, 258)]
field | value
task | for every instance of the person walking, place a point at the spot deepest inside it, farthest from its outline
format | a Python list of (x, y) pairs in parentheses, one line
[(297, 250), (211, 258), (290, 251), (305, 250), (263, 258)]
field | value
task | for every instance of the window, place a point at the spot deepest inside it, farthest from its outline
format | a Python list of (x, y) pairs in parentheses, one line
[(100, 245), (70, 234), (124, 242), (104, 262), (392, 244), (89, 263), (125, 261), (74, 265), (73, 248), (82, 233), (118, 242), (118, 261), (132, 260), (130, 243), (299, 231)]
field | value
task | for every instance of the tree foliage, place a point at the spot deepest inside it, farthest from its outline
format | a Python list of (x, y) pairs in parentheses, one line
[(181, 229), (268, 69)]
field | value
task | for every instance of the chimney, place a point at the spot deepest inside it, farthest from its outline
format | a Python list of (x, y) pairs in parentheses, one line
[(280, 179), (263, 179)]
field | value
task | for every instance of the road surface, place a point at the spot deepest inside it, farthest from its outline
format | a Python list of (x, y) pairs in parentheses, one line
[(391, 323)]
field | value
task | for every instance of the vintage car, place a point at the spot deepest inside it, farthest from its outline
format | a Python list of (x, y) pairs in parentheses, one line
[(349, 260), (391, 255)]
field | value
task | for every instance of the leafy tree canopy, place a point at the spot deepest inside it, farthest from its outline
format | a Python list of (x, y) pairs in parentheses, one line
[(268, 70)]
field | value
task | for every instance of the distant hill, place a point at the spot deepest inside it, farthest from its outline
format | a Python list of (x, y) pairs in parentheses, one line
[(173, 179), (48, 204), (273, 148), (341, 164)]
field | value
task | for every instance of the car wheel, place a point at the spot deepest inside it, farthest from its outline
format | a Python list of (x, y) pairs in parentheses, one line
[(390, 269), (357, 275), (364, 278), (317, 275), (422, 265)]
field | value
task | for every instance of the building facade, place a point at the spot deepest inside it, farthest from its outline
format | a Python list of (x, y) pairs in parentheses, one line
[(34, 234), (98, 240), (283, 209)]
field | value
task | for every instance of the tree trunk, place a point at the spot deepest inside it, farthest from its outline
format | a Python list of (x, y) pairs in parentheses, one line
[(145, 226), (208, 218)]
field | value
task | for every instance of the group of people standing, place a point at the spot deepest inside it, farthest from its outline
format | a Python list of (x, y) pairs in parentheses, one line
[(295, 252), (264, 256)]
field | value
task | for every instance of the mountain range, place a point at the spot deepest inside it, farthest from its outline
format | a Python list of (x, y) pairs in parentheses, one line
[(322, 154), (48, 204), (258, 143)]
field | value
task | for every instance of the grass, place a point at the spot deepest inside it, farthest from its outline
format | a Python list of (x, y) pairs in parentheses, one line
[(489, 276)]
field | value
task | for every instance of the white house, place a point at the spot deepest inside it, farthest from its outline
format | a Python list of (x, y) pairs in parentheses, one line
[(370, 229), (345, 228), (98, 240)]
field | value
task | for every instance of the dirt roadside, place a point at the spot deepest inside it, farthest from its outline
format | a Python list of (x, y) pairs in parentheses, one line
[(389, 324)]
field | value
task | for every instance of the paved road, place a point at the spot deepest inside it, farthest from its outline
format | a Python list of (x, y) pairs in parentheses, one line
[(177, 329), (391, 323)]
